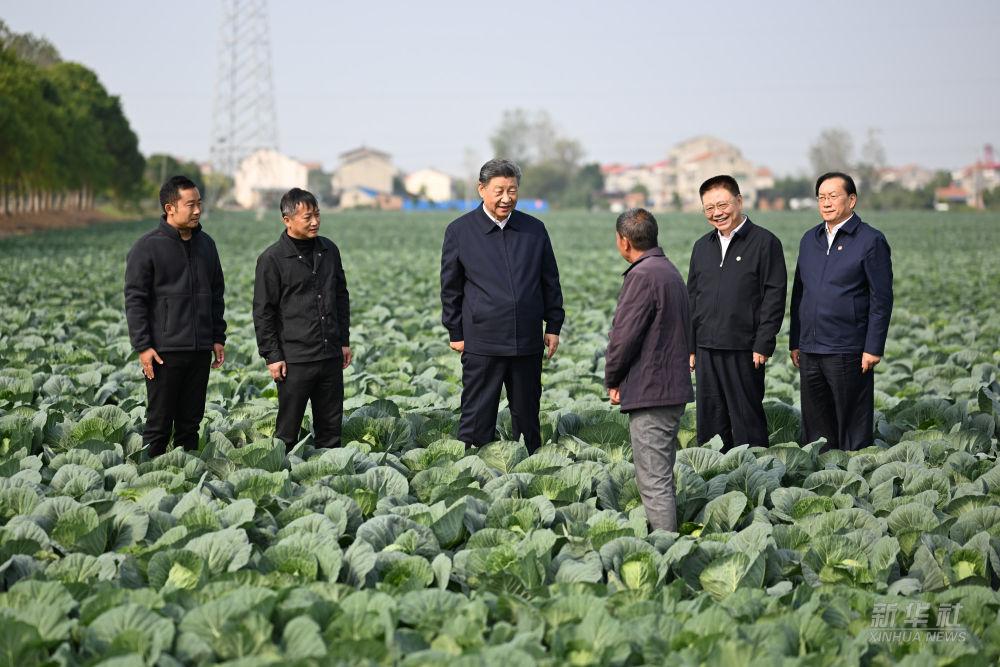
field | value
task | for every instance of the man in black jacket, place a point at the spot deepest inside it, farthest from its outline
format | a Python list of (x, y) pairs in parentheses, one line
[(737, 284), (499, 281), (646, 369), (302, 317), (174, 305)]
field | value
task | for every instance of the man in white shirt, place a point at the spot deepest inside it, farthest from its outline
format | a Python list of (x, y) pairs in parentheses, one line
[(841, 305), (736, 288), (501, 303)]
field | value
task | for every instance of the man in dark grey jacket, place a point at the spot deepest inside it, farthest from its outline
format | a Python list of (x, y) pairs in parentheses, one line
[(646, 363), (499, 281), (302, 317), (174, 305)]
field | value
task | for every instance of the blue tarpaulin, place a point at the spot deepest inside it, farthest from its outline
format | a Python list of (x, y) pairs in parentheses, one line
[(533, 205)]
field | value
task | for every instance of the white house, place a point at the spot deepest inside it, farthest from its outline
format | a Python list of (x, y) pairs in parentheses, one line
[(265, 174), (429, 184)]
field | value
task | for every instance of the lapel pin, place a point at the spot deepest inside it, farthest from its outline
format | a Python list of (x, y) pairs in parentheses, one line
[(738, 258), (840, 247)]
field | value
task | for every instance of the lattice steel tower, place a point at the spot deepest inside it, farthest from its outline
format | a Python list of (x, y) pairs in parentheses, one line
[(243, 116)]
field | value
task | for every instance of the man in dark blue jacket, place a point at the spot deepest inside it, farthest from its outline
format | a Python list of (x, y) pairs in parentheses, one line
[(499, 281), (841, 304), (174, 305)]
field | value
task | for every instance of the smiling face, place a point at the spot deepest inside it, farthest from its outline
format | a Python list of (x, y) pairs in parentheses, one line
[(722, 209), (499, 196), (184, 214), (304, 224), (835, 205)]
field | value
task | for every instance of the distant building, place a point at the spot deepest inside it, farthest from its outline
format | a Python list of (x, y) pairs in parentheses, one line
[(909, 177), (364, 168), (982, 175), (655, 179), (368, 198), (698, 159), (952, 195), (429, 184), (264, 176), (675, 181)]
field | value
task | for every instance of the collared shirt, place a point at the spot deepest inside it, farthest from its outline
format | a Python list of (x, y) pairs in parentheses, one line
[(832, 233), (499, 223), (737, 305), (724, 240)]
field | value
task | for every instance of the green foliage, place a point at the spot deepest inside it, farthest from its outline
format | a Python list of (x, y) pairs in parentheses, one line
[(64, 135), (403, 548)]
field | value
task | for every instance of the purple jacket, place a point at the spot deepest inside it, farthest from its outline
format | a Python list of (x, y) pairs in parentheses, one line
[(647, 355)]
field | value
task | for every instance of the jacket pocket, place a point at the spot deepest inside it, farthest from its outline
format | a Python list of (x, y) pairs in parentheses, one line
[(162, 314), (474, 308), (204, 324), (860, 310)]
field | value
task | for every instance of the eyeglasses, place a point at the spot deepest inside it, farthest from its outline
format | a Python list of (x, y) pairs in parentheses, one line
[(722, 206), (822, 199)]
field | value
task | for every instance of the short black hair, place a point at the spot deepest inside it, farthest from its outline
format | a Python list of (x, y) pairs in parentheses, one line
[(721, 181), (499, 167), (290, 201), (849, 185), (170, 191), (638, 226)]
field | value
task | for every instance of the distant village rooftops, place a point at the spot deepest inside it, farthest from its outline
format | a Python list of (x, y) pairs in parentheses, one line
[(367, 177), (362, 152), (673, 182)]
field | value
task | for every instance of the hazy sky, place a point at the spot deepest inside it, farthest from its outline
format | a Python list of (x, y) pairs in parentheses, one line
[(427, 80)]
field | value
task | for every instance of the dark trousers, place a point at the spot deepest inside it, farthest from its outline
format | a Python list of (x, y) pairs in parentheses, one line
[(730, 394), (319, 382), (482, 377), (175, 400), (838, 400)]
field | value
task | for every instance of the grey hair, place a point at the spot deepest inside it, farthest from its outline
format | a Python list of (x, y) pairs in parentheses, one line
[(499, 167), (290, 202), (638, 226)]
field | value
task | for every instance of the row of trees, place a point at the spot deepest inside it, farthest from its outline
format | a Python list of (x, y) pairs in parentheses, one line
[(65, 140), (552, 164)]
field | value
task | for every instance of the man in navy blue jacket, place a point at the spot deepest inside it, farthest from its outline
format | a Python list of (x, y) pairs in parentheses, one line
[(499, 281), (841, 304)]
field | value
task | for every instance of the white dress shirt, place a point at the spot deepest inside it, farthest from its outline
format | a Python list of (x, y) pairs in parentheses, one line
[(499, 223), (724, 240), (832, 233)]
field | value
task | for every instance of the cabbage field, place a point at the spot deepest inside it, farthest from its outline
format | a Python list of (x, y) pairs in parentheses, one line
[(401, 549)]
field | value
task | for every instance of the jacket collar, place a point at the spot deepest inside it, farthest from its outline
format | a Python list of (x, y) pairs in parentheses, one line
[(743, 231), (655, 251), (173, 233), (289, 249), (849, 227), (488, 226)]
